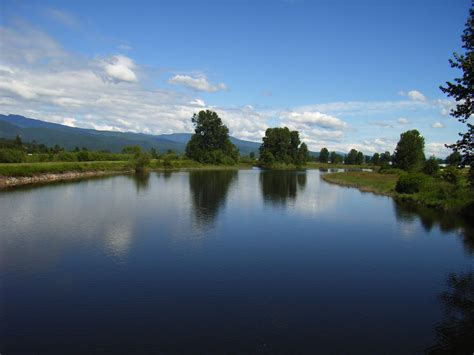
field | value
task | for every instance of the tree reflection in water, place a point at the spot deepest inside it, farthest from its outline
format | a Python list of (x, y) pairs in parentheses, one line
[(209, 191), (279, 187), (455, 334), (429, 218), (141, 180)]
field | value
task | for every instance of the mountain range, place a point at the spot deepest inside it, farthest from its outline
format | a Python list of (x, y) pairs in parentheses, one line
[(50, 134)]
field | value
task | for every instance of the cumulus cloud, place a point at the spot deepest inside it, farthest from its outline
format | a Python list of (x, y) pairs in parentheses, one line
[(120, 68), (437, 125), (403, 120), (437, 149), (416, 95), (199, 83), (314, 119)]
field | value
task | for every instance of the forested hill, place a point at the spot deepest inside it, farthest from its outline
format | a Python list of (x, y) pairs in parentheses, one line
[(70, 137)]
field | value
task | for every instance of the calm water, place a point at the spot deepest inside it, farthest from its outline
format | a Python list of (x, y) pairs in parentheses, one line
[(245, 261)]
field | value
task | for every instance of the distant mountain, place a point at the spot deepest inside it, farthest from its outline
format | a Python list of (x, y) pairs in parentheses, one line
[(70, 137)]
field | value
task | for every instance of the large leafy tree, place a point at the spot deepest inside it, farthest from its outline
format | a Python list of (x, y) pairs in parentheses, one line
[(210, 142), (335, 158), (280, 145), (351, 157), (324, 155), (462, 90), (409, 153)]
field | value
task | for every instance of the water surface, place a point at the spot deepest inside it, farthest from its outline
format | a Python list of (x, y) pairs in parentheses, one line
[(216, 261)]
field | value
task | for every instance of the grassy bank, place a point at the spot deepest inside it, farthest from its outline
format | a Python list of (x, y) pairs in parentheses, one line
[(33, 169), (434, 192), (318, 165), (366, 181)]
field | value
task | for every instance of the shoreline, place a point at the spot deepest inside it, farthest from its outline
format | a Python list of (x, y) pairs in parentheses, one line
[(439, 195), (7, 182)]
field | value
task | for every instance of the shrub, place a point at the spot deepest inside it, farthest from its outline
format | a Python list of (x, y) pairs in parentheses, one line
[(411, 183), (451, 174), (431, 166), (12, 156), (168, 161)]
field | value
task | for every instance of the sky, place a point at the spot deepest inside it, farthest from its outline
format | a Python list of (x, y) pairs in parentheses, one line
[(345, 74)]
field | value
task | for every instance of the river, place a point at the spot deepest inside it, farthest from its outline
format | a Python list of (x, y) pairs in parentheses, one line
[(217, 261)]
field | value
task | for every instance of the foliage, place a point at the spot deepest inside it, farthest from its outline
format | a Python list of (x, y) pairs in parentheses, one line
[(282, 146), (210, 142), (336, 158), (375, 159), (359, 158), (410, 183), (451, 174), (385, 158), (409, 154), (141, 160), (351, 157), (431, 166), (324, 155), (462, 90), (454, 159), (12, 155)]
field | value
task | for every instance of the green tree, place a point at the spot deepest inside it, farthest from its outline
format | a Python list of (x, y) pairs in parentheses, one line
[(18, 141), (210, 142), (336, 158), (303, 154), (136, 149), (154, 153), (351, 157), (359, 158), (385, 158), (431, 166), (324, 155), (454, 159), (462, 90), (280, 145), (141, 160), (375, 159), (409, 153), (252, 155)]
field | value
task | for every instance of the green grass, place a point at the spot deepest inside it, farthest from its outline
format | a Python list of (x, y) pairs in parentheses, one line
[(366, 181), (318, 165), (31, 169)]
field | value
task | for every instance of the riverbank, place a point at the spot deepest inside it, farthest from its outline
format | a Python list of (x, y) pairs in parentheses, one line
[(434, 193), (20, 174)]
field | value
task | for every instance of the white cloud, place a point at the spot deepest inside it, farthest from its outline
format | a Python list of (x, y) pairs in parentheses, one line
[(437, 125), (197, 102), (199, 83), (416, 95), (437, 149), (403, 120), (314, 119), (120, 68)]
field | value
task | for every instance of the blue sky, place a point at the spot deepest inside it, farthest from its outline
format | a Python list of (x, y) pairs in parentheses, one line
[(344, 73)]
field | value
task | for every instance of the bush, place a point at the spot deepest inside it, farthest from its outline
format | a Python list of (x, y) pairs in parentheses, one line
[(168, 161), (431, 166), (12, 156), (411, 183), (451, 174)]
